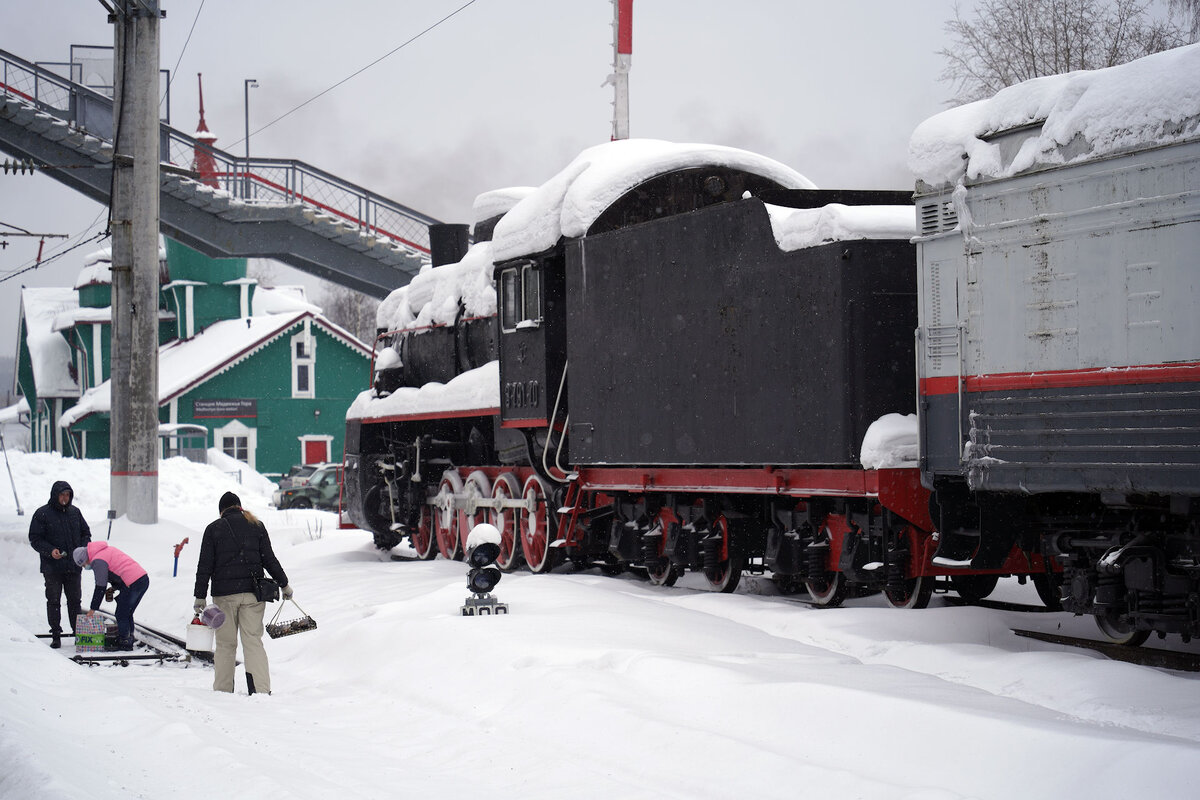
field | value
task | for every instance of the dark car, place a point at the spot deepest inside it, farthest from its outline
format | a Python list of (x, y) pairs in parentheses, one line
[(321, 490)]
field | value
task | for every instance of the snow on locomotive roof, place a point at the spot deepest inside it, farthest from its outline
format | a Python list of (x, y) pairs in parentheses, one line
[(1073, 117), (568, 203), (475, 392), (798, 228), (499, 201), (432, 297)]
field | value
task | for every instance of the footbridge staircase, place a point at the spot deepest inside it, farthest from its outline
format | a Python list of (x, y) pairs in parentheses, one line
[(240, 207)]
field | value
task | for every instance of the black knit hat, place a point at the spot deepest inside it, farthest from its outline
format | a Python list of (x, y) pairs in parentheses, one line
[(229, 500)]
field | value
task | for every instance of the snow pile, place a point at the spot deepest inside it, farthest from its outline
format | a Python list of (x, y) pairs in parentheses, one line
[(798, 228), (1083, 115), (891, 442), (433, 296), (606, 668), (568, 203), (49, 352), (281, 300), (477, 390)]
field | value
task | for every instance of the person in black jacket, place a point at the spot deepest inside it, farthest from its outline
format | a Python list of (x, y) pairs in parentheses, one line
[(55, 530), (233, 554)]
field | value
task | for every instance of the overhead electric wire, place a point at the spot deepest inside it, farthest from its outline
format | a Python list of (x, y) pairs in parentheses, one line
[(178, 61), (391, 52), (56, 256)]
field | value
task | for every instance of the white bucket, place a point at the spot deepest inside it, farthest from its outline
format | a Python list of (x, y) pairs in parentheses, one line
[(200, 637)]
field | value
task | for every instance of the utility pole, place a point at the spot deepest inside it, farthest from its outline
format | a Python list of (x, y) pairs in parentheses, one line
[(133, 442)]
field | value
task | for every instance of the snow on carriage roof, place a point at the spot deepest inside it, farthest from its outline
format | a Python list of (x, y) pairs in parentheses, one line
[(568, 203), (1083, 115)]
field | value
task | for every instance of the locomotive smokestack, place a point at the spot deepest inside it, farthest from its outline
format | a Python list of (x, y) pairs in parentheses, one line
[(448, 242)]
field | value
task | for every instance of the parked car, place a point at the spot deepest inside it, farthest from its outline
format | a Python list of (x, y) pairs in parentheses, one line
[(296, 477), (321, 490)]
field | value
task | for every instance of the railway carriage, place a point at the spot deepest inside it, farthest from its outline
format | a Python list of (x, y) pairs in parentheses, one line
[(1059, 342)]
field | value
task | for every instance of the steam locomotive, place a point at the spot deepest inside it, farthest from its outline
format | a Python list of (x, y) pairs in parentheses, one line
[(678, 357)]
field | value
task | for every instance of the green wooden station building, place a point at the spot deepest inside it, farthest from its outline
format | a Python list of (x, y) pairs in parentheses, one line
[(257, 373)]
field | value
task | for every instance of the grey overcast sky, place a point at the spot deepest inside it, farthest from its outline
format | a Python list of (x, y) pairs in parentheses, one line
[(505, 93)]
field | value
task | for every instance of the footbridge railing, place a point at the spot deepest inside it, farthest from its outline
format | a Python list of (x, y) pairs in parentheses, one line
[(255, 181)]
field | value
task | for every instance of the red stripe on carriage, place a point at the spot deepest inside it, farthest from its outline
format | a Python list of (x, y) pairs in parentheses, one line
[(1099, 376)]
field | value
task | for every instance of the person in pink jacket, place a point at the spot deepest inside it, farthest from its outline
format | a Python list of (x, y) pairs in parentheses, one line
[(110, 565)]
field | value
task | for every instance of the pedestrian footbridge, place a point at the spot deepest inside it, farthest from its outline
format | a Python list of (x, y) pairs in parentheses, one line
[(217, 203)]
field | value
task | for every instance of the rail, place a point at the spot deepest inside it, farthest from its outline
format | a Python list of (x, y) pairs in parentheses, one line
[(254, 181)]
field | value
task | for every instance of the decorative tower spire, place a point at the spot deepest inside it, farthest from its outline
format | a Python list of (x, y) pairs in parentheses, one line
[(202, 158)]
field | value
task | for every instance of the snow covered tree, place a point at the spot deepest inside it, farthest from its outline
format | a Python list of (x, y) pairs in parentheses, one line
[(1009, 41)]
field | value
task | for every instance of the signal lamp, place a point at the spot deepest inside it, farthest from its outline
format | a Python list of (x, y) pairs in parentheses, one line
[(483, 548)]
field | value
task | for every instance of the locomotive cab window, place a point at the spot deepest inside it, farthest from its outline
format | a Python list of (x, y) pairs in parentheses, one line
[(521, 298)]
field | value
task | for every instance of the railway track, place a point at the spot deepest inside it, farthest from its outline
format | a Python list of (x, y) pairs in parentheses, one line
[(1142, 656), (160, 647)]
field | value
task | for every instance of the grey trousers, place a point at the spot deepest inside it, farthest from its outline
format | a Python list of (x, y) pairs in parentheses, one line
[(243, 612)]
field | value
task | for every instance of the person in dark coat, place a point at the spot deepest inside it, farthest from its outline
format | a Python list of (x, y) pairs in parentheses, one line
[(55, 531), (234, 553)]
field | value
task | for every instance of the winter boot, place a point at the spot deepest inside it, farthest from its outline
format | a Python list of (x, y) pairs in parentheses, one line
[(56, 639)]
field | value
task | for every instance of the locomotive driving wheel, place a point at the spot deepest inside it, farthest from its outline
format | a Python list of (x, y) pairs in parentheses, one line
[(424, 539), (476, 488), (446, 516), (827, 588), (728, 572), (505, 520), (534, 526), (1119, 629)]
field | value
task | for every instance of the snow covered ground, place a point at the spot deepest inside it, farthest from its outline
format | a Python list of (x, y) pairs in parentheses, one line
[(593, 687)]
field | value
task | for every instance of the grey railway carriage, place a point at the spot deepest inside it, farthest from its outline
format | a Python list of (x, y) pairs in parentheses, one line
[(1059, 363)]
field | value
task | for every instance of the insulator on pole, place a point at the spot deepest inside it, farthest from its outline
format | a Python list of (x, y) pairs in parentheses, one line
[(18, 166)]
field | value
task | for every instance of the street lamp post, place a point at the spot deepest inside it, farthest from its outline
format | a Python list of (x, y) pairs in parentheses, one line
[(250, 83), (246, 87)]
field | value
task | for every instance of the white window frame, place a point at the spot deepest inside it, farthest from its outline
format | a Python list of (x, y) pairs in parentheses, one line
[(308, 360), (235, 429)]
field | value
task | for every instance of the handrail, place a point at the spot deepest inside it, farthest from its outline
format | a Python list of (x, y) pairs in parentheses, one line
[(261, 181)]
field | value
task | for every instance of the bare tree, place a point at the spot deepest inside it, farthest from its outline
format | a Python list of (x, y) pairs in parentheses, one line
[(1009, 41), (1189, 11), (353, 310)]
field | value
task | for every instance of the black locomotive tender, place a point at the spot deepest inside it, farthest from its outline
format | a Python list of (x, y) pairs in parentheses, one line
[(676, 392)]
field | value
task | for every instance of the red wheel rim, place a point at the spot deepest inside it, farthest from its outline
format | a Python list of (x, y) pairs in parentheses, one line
[(505, 520), (446, 519), (423, 537), (534, 525), (478, 487)]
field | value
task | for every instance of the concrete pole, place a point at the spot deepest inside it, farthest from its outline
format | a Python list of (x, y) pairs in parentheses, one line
[(135, 475)]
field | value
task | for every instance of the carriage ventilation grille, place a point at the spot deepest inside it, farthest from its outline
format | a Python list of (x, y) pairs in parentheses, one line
[(1147, 440), (938, 217)]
